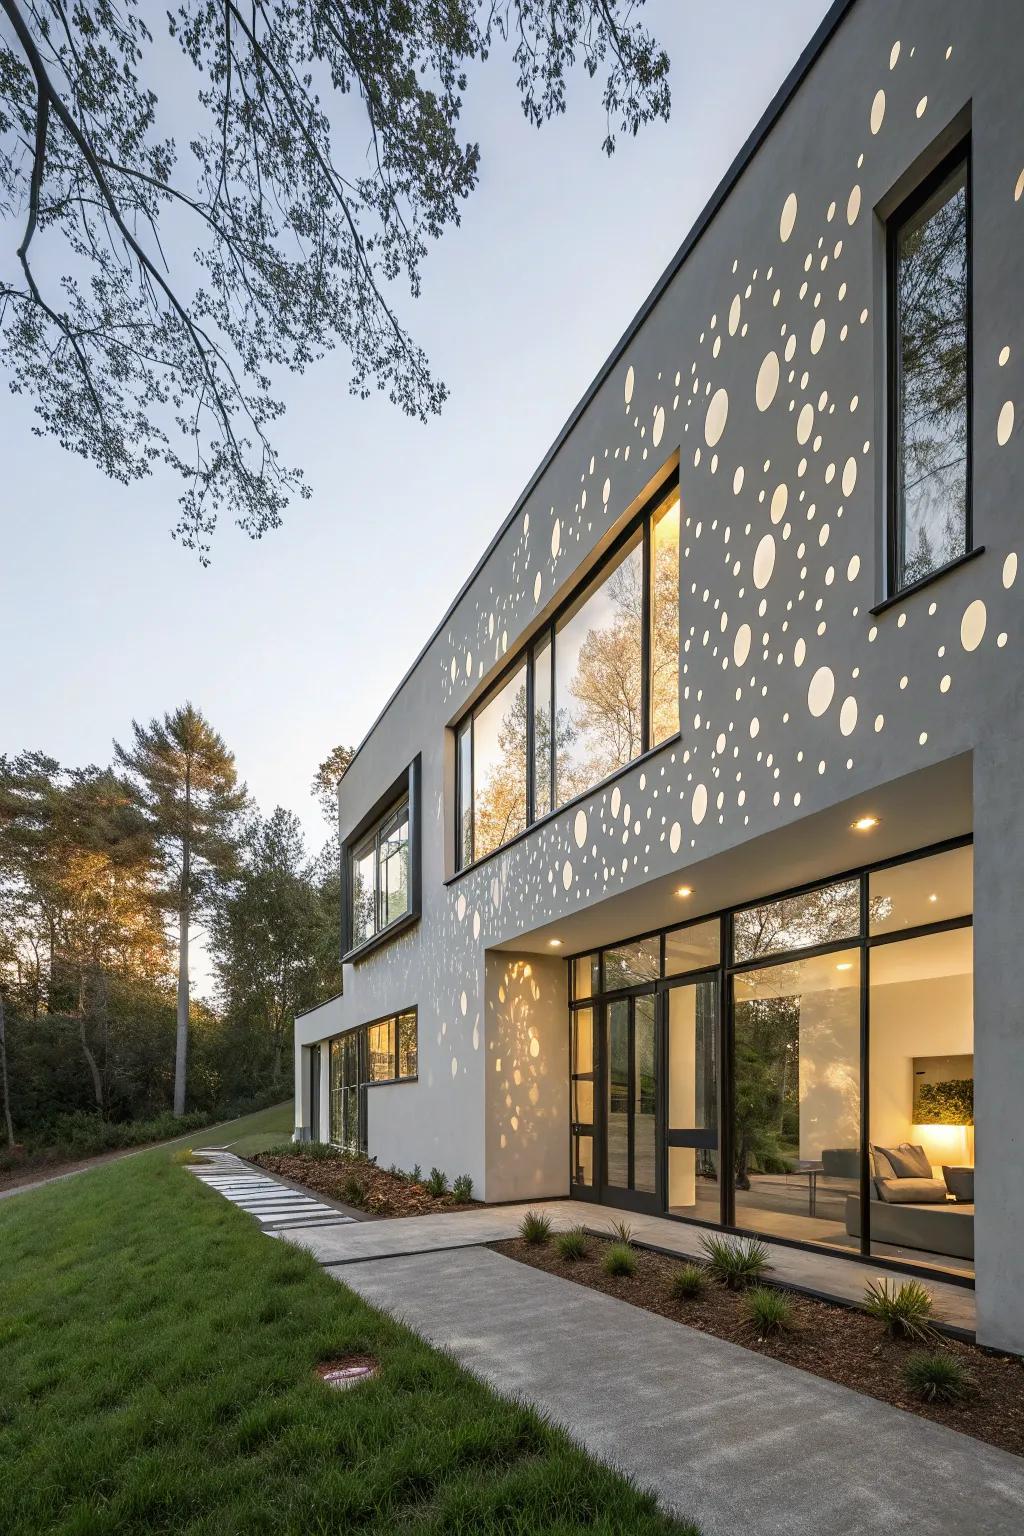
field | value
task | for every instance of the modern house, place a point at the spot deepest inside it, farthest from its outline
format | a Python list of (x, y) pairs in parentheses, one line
[(683, 871)]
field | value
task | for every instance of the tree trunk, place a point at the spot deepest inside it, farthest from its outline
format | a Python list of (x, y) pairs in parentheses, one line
[(184, 904), (3, 1075), (97, 1081)]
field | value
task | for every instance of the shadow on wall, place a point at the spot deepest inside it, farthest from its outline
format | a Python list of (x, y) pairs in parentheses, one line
[(527, 1077)]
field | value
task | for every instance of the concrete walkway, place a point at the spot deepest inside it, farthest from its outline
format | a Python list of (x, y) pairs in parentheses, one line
[(741, 1444), (277, 1206), (818, 1273)]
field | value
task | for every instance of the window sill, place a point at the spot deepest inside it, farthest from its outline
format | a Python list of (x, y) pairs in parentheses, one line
[(392, 1082), (926, 581), (385, 936), (543, 821)]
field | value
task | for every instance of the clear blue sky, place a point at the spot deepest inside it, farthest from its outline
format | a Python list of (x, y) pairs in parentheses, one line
[(293, 644)]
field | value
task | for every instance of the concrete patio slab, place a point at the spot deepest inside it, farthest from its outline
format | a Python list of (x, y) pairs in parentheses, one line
[(724, 1436)]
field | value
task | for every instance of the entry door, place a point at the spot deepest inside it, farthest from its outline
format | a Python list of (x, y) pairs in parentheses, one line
[(693, 1044), (631, 1117)]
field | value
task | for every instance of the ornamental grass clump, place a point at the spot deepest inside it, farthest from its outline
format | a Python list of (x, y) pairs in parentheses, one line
[(937, 1377), (462, 1189), (535, 1228), (437, 1183), (620, 1260), (688, 1283), (572, 1245), (736, 1262), (768, 1310), (905, 1311)]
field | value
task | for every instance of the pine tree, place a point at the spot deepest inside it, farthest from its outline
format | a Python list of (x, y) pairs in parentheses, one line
[(185, 782)]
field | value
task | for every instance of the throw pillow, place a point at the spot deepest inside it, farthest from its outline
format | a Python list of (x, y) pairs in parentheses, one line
[(908, 1162), (959, 1182), (912, 1191)]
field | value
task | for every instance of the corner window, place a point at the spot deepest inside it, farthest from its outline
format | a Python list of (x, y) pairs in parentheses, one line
[(380, 862), (929, 299), (595, 690)]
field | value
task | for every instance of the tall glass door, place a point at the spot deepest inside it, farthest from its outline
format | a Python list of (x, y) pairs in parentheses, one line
[(692, 1023), (631, 1114)]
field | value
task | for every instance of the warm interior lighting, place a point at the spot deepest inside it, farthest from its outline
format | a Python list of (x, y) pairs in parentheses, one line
[(933, 897), (845, 965), (684, 890), (864, 824), (555, 943)]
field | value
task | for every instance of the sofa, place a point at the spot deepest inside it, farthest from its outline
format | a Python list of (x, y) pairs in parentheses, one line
[(909, 1208)]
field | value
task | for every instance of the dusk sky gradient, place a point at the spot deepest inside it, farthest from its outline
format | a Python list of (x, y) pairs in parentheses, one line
[(293, 644)]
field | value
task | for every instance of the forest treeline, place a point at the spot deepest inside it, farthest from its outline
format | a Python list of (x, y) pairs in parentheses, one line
[(106, 872)]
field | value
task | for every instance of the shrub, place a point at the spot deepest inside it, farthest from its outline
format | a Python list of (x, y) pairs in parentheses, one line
[(437, 1183), (905, 1311), (736, 1262), (353, 1192), (620, 1259), (462, 1188), (309, 1151), (937, 1377), (417, 1174), (688, 1283), (535, 1228), (768, 1310), (622, 1232), (572, 1245)]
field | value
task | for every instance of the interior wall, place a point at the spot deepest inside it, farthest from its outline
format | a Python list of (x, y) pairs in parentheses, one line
[(527, 1093), (908, 1019), (829, 1070)]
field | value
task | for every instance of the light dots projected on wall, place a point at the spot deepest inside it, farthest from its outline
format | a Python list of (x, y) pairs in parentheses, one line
[(764, 562), (767, 384), (787, 219), (717, 415), (1004, 425), (821, 691), (972, 625), (1009, 570), (877, 112), (699, 804)]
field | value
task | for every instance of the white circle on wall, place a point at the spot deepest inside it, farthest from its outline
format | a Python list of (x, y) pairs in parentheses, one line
[(780, 501), (714, 421), (1004, 426), (579, 830), (699, 804), (767, 381), (787, 219), (536, 587), (764, 562), (616, 800), (817, 336), (800, 652), (567, 874), (848, 716), (805, 423), (737, 480), (675, 836), (556, 538), (463, 1004), (1009, 570), (630, 378), (849, 476), (877, 111), (606, 491), (972, 625), (741, 645), (853, 569), (735, 309), (820, 692), (657, 431), (853, 205)]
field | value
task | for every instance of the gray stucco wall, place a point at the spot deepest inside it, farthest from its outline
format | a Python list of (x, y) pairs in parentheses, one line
[(762, 366)]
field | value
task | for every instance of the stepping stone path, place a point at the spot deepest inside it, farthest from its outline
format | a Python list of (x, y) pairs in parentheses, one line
[(275, 1206)]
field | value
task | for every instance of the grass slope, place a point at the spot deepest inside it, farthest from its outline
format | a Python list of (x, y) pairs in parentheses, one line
[(252, 1133), (157, 1354)]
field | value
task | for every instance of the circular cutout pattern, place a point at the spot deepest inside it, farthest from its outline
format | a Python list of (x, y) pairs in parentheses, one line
[(817, 337), (579, 830), (800, 652), (735, 310), (764, 562), (877, 111), (699, 804), (1004, 426), (659, 425), (853, 205), (741, 645), (630, 380), (820, 692), (805, 423), (1009, 570), (567, 874), (779, 503), (853, 569), (675, 836), (849, 476), (848, 716), (714, 421), (767, 384), (536, 587), (972, 625), (787, 219), (556, 538)]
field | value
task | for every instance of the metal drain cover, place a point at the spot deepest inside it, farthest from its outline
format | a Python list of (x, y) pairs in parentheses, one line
[(348, 1371)]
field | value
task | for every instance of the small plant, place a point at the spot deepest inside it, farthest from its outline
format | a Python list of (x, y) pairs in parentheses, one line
[(417, 1174), (437, 1183), (572, 1245), (622, 1232), (620, 1259), (905, 1311), (736, 1262), (688, 1283), (462, 1188), (937, 1377), (535, 1228), (353, 1192), (769, 1311)]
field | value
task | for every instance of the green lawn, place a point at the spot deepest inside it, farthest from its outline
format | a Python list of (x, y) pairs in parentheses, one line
[(253, 1133), (157, 1354)]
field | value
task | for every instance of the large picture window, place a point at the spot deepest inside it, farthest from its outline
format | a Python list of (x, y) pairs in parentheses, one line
[(595, 690), (930, 375), (380, 861)]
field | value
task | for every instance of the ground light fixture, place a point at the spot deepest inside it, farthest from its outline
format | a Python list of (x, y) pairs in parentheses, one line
[(864, 824)]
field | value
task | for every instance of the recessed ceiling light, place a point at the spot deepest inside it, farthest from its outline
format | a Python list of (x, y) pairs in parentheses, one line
[(845, 965), (555, 943), (684, 890), (864, 824), (933, 897)]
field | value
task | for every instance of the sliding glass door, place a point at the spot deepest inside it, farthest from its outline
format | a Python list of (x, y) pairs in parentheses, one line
[(630, 1122)]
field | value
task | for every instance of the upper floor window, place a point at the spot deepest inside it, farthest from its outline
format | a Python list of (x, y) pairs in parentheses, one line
[(595, 689), (928, 239), (381, 866)]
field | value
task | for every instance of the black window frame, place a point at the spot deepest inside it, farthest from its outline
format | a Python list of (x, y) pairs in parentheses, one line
[(547, 635), (895, 588), (406, 788), (392, 1018)]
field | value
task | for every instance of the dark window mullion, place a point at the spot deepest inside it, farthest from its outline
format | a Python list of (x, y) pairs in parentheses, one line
[(645, 640), (531, 735)]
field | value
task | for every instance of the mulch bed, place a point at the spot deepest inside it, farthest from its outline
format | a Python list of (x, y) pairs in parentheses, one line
[(344, 1178), (836, 1342)]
